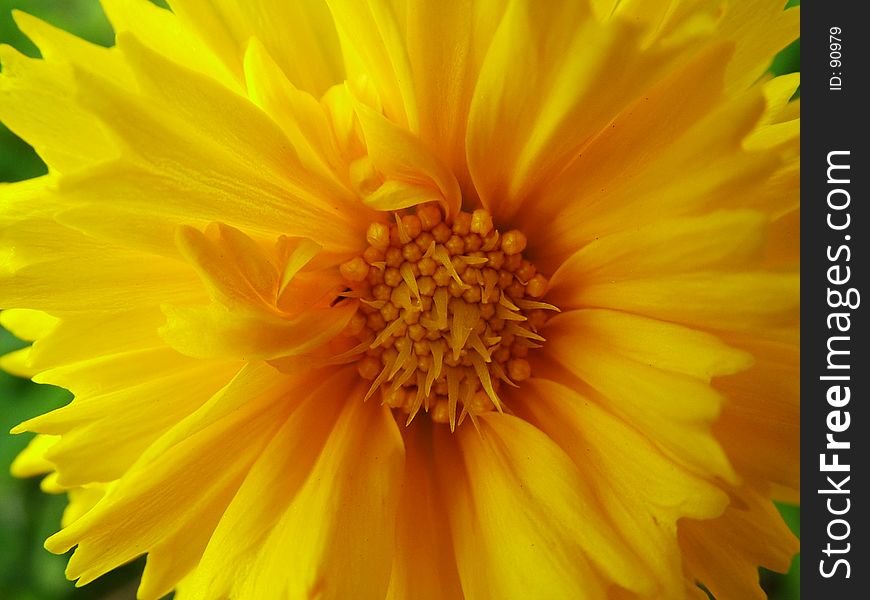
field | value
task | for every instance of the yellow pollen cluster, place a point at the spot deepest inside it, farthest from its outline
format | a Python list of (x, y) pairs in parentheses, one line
[(448, 312)]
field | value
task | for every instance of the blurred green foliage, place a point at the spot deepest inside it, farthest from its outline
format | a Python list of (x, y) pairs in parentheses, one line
[(27, 515)]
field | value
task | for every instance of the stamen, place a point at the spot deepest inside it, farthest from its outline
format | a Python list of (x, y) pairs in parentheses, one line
[(448, 312)]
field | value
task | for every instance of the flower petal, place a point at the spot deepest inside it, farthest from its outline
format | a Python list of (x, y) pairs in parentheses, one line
[(31, 461), (521, 530), (424, 562), (186, 476), (106, 433), (162, 31), (107, 333), (558, 77), (31, 89), (336, 538), (302, 118), (672, 409), (397, 155), (658, 344), (761, 438), (373, 48), (726, 301), (115, 279), (27, 324), (312, 62), (244, 320), (688, 270), (642, 491), (216, 331), (218, 158), (760, 31), (724, 554), (270, 486), (675, 158), (721, 240)]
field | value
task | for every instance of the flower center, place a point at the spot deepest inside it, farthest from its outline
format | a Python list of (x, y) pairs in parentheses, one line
[(448, 312)]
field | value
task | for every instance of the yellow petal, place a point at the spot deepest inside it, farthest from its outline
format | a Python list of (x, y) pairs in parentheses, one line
[(30, 91), (784, 243), (395, 195), (31, 461), (724, 554), (446, 44), (760, 31), (774, 135), (211, 156), (37, 237), (25, 200), (674, 410), (300, 115), (236, 271), (721, 240), (269, 488), (107, 333), (18, 363), (216, 331), (374, 50), (244, 320), (110, 431), (761, 438), (59, 46), (81, 500), (113, 372), (163, 32), (398, 155), (643, 492), (279, 471), (778, 94), (112, 281), (199, 463), (570, 76), (351, 494), (174, 556), (524, 531), (102, 385), (662, 22), (781, 192), (658, 344), (712, 300), (299, 34), (220, 25), (675, 158), (424, 565), (26, 324)]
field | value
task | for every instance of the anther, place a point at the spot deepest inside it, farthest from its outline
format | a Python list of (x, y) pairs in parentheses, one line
[(481, 221), (429, 215), (462, 224), (378, 235), (355, 269), (369, 367), (513, 242), (519, 369), (537, 286), (448, 310)]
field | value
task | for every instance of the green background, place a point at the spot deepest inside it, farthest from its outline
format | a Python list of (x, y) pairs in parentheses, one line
[(27, 515)]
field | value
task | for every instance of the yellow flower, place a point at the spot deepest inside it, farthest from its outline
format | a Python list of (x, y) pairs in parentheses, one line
[(367, 299)]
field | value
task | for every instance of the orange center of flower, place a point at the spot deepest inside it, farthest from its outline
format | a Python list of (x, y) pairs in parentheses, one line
[(448, 312)]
